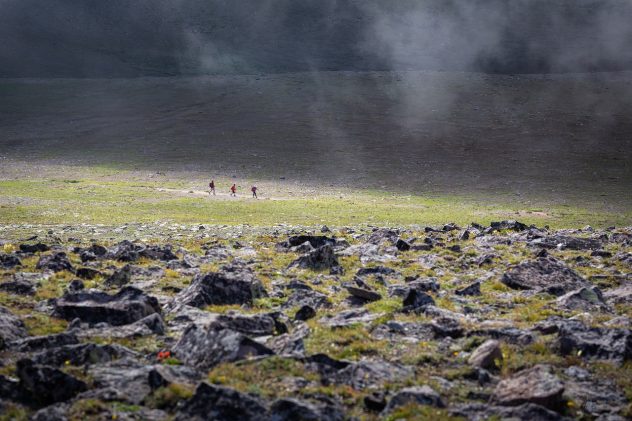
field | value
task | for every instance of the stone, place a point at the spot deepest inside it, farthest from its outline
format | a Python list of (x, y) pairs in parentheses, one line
[(488, 355), (18, 287), (290, 344), (419, 395), (231, 285), (305, 313), (45, 385), (81, 354), (594, 342), (56, 262), (584, 299), (302, 297), (319, 259), (206, 346), (544, 274), (567, 242), (120, 277), (473, 289), (315, 241), (402, 245), (527, 411), (11, 328), (34, 248), (290, 409), (536, 385), (347, 318), (126, 306), (9, 261), (363, 294), (508, 225), (369, 373), (211, 402), (36, 343), (416, 300), (619, 295), (376, 270), (87, 273), (251, 325)]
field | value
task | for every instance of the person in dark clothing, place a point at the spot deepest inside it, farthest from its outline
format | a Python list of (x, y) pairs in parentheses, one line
[(254, 191), (233, 190), (211, 187)]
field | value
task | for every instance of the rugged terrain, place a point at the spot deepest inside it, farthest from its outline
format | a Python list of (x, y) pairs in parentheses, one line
[(173, 321)]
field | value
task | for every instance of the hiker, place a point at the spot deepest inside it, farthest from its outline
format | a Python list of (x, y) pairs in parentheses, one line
[(254, 191), (211, 187), (233, 190)]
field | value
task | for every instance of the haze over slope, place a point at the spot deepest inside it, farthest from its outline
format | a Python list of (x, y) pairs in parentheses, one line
[(120, 38)]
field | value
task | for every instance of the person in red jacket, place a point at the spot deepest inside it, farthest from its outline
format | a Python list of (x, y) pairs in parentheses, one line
[(254, 191), (211, 187), (233, 190)]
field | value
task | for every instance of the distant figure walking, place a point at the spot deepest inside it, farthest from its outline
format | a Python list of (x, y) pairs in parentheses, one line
[(211, 187), (233, 190), (254, 191)]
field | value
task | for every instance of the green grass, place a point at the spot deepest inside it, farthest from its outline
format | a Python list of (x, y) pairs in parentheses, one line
[(61, 201)]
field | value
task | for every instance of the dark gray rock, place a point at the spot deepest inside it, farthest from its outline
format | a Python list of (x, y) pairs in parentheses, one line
[(446, 327), (206, 346), (383, 235), (594, 342), (218, 403), (56, 262), (56, 412), (584, 299), (619, 295), (416, 300), (290, 409), (508, 225), (126, 306), (320, 259), (11, 328), (47, 385), (567, 242), (36, 343), (393, 330), (347, 318), (34, 248), (402, 245), (302, 297), (231, 285), (315, 241), (508, 334), (74, 286), (81, 354), (363, 293), (251, 325), (9, 261), (18, 287), (120, 277), (488, 355), (290, 344), (376, 270), (470, 290), (526, 412), (544, 274), (305, 313), (536, 385), (366, 374), (87, 273), (420, 395)]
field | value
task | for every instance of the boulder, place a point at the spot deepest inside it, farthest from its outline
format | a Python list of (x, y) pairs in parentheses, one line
[(231, 285), (527, 411), (11, 328), (363, 293), (583, 299), (206, 346), (536, 385), (473, 289), (416, 300), (315, 241), (370, 373), (120, 277), (594, 342), (305, 313), (417, 395), (487, 355), (18, 287), (290, 344), (55, 262), (545, 274), (320, 259), (567, 242), (251, 325), (347, 318), (81, 354), (9, 261), (126, 306), (46, 385), (217, 403), (87, 273), (303, 297), (34, 248), (290, 409), (36, 343), (619, 295), (508, 225)]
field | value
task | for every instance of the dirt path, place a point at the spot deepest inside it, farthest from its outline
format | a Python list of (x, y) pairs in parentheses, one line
[(218, 195)]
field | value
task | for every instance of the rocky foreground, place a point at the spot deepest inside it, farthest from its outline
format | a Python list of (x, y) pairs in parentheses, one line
[(219, 323)]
